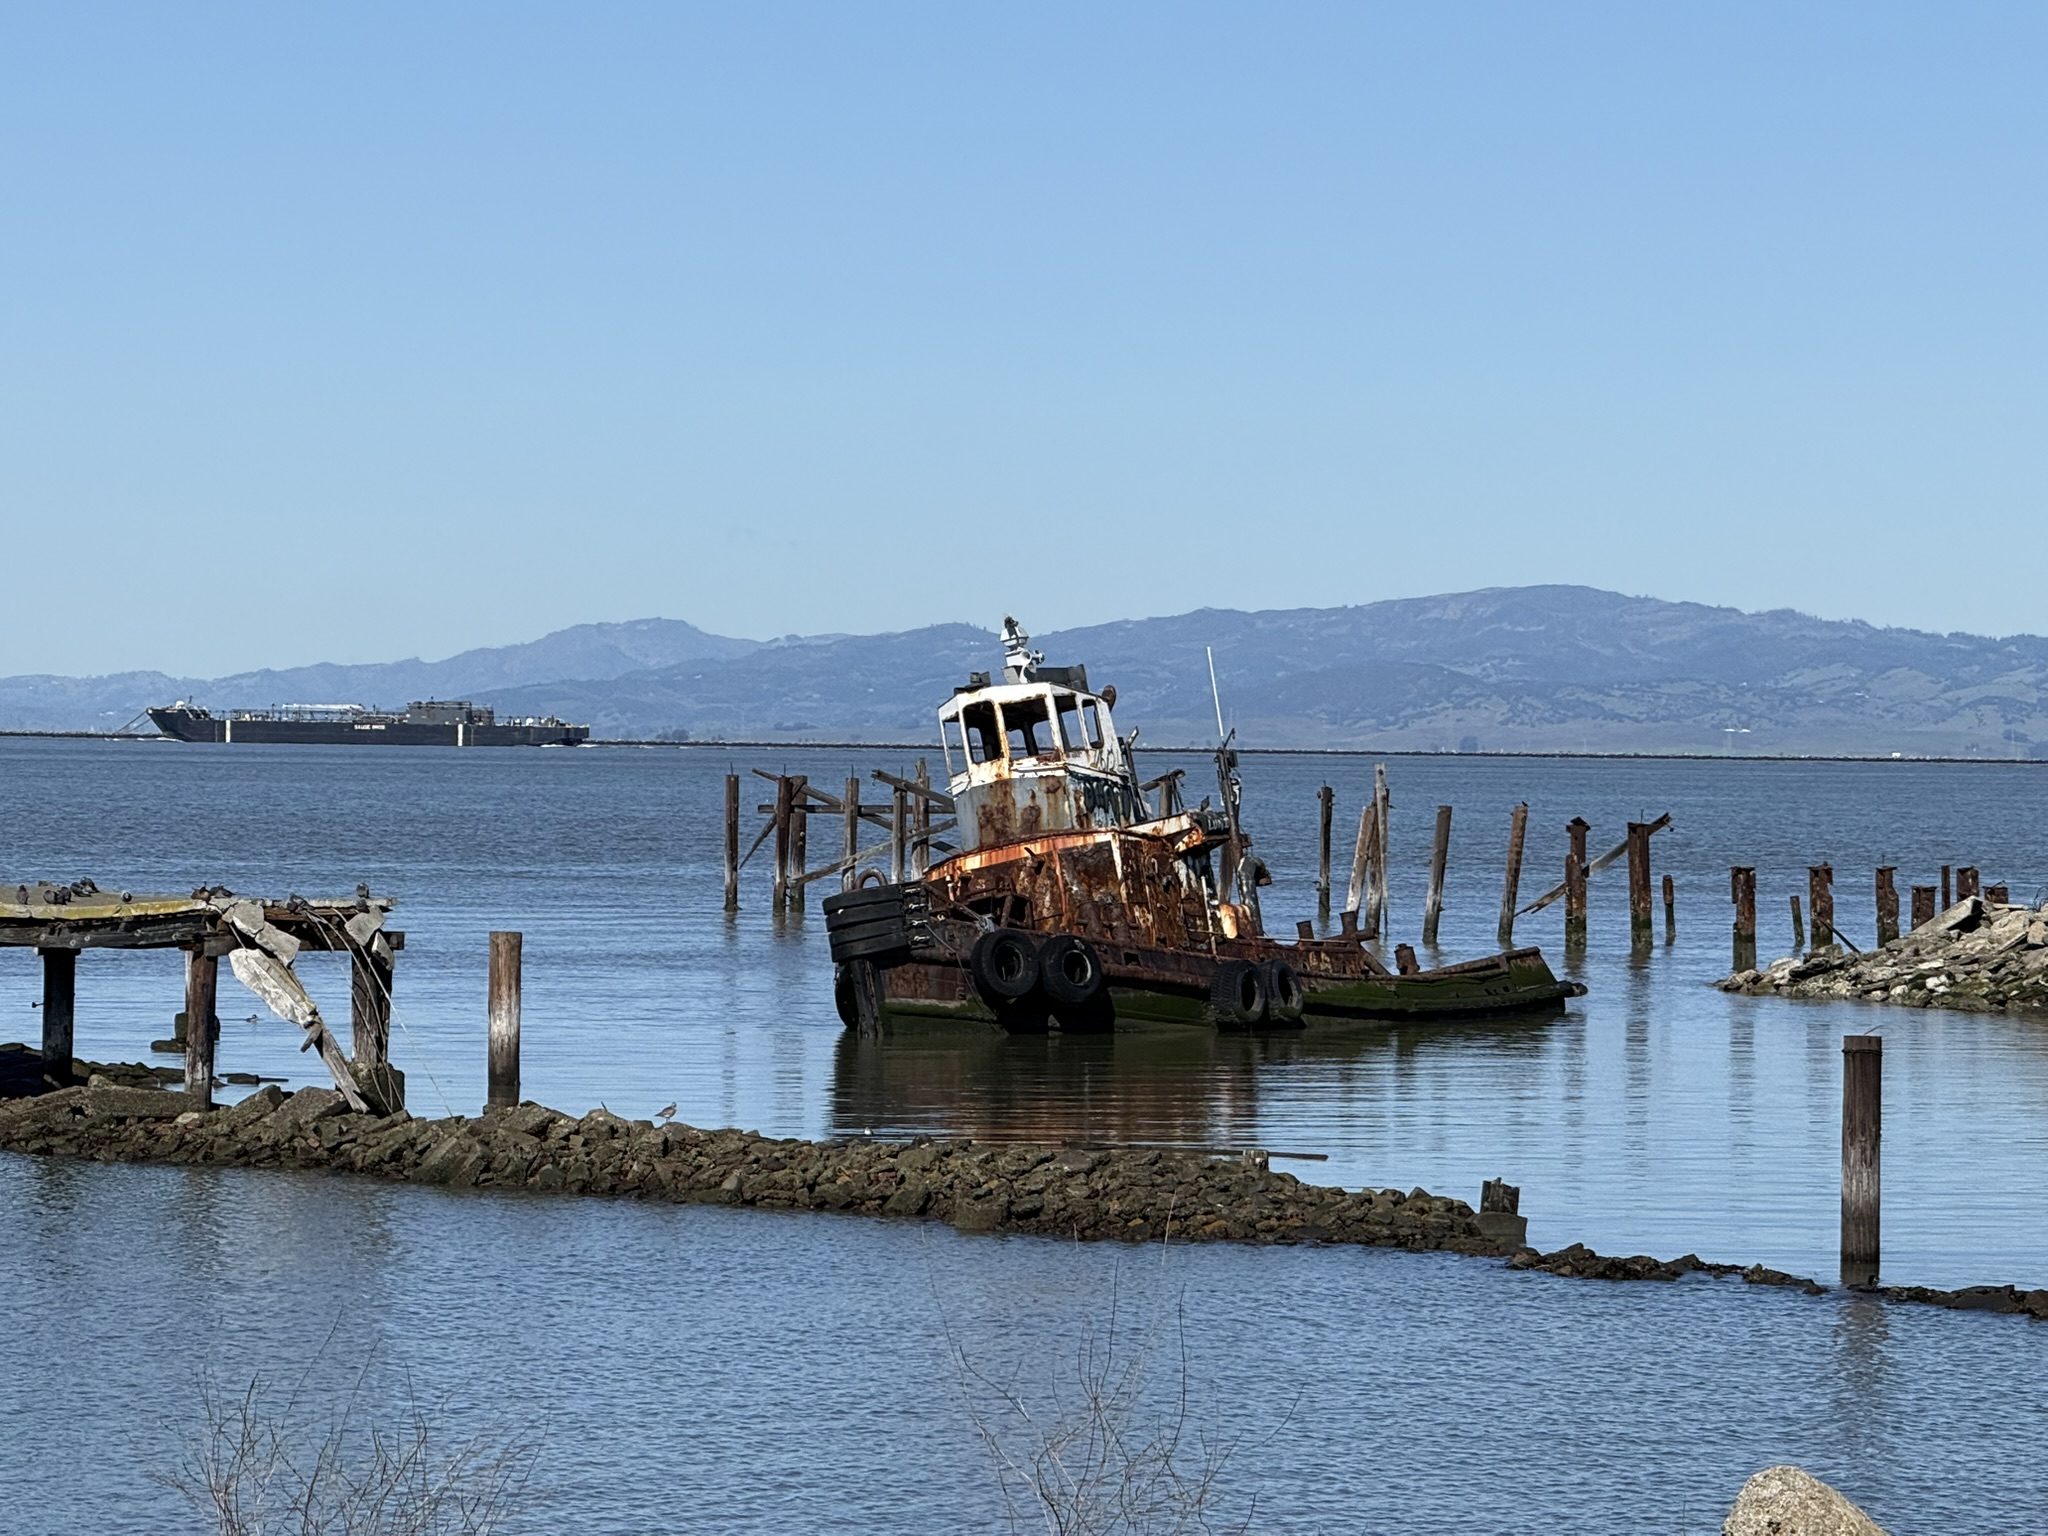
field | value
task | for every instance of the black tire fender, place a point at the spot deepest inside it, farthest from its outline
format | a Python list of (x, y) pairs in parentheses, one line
[(1004, 965), (1070, 972), (1284, 993), (1237, 995)]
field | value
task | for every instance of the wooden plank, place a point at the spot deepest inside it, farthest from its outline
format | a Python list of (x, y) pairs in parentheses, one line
[(502, 1091)]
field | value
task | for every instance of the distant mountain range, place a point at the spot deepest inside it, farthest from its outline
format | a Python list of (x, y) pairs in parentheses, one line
[(1507, 669)]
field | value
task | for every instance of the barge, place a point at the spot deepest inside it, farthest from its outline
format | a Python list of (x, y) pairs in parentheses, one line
[(1073, 900), (422, 723)]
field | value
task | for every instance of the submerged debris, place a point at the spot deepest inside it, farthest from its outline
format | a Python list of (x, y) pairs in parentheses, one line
[(1977, 956)]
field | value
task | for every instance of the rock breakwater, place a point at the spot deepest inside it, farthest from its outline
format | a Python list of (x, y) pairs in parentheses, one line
[(1127, 1194), (1976, 956), (1131, 1194)]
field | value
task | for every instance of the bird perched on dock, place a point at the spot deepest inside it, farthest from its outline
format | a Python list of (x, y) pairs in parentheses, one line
[(665, 1115)]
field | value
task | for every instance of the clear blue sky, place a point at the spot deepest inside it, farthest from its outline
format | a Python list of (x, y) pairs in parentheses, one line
[(362, 331)]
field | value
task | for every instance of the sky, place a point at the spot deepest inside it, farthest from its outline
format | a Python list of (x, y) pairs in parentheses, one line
[(357, 332)]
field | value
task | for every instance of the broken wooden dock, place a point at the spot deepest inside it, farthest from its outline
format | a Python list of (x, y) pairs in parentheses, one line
[(260, 939)]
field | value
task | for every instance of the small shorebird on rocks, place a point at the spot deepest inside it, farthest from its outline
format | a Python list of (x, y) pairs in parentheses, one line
[(665, 1115)]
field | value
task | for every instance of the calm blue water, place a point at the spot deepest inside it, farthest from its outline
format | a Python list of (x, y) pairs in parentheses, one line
[(738, 1371)]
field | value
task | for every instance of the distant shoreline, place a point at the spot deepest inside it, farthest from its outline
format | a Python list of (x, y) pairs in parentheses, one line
[(929, 747)]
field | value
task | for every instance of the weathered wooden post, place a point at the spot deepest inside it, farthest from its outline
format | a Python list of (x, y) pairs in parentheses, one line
[(504, 1006), (1966, 882), (1439, 857), (1511, 889), (851, 838), (1947, 897), (1670, 910), (1639, 885), (899, 835), (1862, 1139), (1923, 904), (921, 852), (784, 796), (1887, 904), (1798, 926), (1820, 900), (60, 1002), (1575, 884), (732, 842), (1361, 860), (799, 840), (1742, 890), (1378, 920), (370, 978), (1326, 805), (202, 985)]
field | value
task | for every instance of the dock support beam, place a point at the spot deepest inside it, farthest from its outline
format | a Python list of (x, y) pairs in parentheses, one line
[(1670, 910), (1377, 919), (899, 836), (1518, 830), (784, 794), (1798, 926), (799, 842), (849, 877), (1361, 862), (1947, 897), (1820, 903), (503, 1068), (1742, 891), (1887, 905), (921, 850), (60, 1003), (1575, 884), (1439, 857), (1966, 882), (1326, 805), (732, 842), (202, 986), (1639, 886), (1862, 1138), (1923, 905)]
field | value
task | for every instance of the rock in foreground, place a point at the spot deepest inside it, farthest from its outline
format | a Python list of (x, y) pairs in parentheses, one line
[(1788, 1501), (1976, 957)]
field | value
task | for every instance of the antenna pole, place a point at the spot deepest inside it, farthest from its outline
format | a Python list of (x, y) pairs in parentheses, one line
[(1213, 693)]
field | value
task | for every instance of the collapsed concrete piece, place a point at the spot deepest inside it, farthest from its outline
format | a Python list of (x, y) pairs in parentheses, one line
[(1977, 957)]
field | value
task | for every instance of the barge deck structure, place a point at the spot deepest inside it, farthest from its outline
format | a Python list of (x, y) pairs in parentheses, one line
[(1072, 900), (422, 723)]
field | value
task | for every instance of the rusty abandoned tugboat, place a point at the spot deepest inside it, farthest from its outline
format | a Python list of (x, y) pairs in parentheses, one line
[(1073, 901)]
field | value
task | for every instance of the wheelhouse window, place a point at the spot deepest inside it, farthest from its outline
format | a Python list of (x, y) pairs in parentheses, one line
[(1092, 717), (984, 732), (1028, 725), (1069, 716)]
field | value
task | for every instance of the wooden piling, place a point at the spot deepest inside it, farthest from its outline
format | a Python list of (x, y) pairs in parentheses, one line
[(784, 795), (799, 841), (1518, 830), (1997, 895), (899, 836), (1326, 805), (1378, 919), (503, 1090), (1798, 927), (1820, 903), (1742, 891), (921, 849), (369, 1005), (732, 842), (1639, 929), (1575, 884), (1887, 904), (1439, 857), (1966, 882), (60, 1003), (850, 838), (202, 987), (1862, 1141), (1923, 905), (1670, 910), (1947, 896), (1361, 859)]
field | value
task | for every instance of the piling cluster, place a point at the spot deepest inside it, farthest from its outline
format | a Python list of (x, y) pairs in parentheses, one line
[(1978, 956)]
